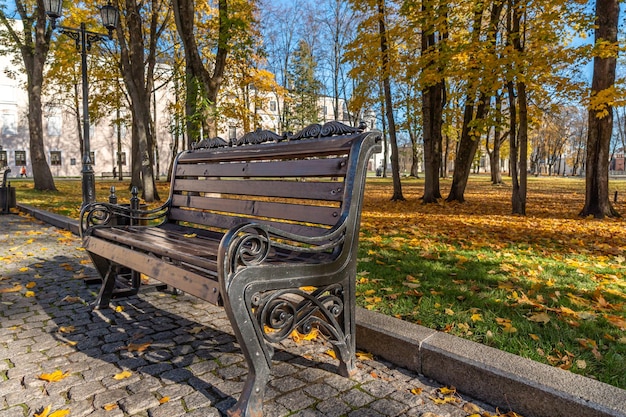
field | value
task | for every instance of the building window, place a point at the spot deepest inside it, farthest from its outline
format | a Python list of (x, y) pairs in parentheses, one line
[(3, 159), (272, 105), (9, 124), (72, 161), (55, 158), (232, 132), (54, 125), (20, 157), (121, 158)]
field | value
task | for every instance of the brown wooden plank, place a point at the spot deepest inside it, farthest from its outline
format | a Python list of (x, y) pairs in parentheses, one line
[(197, 251), (328, 167), (314, 190), (294, 212), (226, 222), (188, 281), (296, 149)]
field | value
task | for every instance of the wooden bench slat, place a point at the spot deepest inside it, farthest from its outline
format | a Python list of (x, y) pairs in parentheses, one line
[(175, 275), (224, 221), (314, 190), (331, 167), (299, 149), (256, 208), (196, 251)]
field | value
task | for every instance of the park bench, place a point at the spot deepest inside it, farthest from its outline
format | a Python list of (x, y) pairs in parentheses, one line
[(266, 226)]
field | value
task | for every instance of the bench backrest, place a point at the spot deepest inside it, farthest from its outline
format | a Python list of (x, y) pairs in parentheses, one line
[(304, 184)]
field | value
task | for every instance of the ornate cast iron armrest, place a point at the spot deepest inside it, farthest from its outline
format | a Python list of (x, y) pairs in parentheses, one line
[(97, 215), (250, 243)]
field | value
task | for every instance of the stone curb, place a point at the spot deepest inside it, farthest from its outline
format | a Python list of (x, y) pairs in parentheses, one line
[(501, 379)]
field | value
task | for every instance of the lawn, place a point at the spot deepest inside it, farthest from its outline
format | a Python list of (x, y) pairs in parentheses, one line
[(549, 286)]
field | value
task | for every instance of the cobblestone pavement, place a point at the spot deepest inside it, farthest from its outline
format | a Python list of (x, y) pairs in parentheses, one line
[(180, 352)]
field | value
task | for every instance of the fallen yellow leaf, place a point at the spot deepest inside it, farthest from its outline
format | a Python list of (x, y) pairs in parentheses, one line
[(190, 235), (164, 400), (31, 285), (540, 318), (123, 375), (331, 353), (138, 347), (299, 337), (447, 391), (44, 412), (67, 329), (55, 376), (29, 294), (119, 309), (16, 288), (109, 407), (196, 329), (477, 317), (364, 356), (60, 413), (417, 391)]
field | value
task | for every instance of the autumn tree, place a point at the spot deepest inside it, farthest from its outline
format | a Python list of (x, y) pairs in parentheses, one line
[(32, 43), (204, 76), (480, 85), (139, 30), (433, 21), (597, 203), (499, 138), (304, 89)]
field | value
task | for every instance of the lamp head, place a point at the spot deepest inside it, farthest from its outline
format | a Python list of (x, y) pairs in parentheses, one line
[(110, 17), (54, 10)]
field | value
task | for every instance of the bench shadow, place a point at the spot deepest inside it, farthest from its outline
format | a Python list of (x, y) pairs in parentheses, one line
[(177, 339)]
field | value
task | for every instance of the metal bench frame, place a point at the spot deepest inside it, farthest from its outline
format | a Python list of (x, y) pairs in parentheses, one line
[(276, 266)]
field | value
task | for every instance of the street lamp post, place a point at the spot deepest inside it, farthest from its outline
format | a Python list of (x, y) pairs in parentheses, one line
[(84, 38)]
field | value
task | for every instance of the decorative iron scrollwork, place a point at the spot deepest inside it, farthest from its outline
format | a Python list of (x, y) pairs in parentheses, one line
[(251, 246), (280, 312), (258, 136), (207, 143)]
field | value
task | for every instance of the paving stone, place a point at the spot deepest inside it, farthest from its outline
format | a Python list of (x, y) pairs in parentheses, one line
[(295, 401), (356, 398), (389, 407), (138, 402), (85, 390), (333, 407), (287, 384), (320, 391), (168, 409), (110, 396), (198, 400), (13, 412)]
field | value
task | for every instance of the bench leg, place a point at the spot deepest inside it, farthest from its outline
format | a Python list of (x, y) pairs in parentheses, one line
[(106, 291), (250, 403)]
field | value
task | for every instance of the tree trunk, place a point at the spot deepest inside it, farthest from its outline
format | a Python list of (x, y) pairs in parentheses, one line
[(208, 85), (597, 203), (137, 73), (34, 43), (432, 118), (395, 160)]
